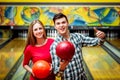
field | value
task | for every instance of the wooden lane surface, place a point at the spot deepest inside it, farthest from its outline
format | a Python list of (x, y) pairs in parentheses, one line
[(100, 64), (2, 40), (9, 54), (115, 42)]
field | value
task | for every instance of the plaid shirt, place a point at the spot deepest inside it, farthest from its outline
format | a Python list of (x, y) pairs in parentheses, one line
[(74, 69)]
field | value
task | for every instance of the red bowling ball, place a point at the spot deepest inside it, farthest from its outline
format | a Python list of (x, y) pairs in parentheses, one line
[(41, 69), (65, 50)]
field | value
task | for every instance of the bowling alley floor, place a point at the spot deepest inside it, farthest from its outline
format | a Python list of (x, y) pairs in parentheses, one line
[(114, 42), (100, 64), (2, 40), (10, 56)]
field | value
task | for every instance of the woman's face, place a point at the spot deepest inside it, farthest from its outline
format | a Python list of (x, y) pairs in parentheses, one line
[(38, 30)]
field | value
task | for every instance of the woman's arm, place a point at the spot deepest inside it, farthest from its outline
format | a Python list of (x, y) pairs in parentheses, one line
[(29, 69)]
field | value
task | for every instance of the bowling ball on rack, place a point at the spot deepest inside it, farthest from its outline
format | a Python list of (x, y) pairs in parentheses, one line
[(65, 50), (41, 69)]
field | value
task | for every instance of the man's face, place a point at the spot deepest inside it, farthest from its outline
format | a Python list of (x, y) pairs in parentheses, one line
[(61, 25)]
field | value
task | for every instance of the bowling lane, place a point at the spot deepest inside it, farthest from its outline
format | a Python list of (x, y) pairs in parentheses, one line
[(2, 40), (100, 64), (9, 55), (19, 74), (114, 42)]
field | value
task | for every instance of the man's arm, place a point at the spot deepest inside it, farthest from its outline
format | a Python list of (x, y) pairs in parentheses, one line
[(100, 35)]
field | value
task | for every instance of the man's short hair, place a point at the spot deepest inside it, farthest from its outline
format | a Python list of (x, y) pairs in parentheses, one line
[(58, 16)]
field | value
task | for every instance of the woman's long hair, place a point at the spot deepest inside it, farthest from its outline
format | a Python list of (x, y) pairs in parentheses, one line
[(31, 40)]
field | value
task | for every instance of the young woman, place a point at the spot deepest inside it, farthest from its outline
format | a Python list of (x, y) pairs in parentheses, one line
[(37, 48)]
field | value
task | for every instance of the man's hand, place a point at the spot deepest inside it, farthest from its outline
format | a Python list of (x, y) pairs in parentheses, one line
[(99, 33), (63, 65)]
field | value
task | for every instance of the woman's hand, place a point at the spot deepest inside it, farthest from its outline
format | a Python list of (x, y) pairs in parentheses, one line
[(33, 74), (50, 67), (29, 69)]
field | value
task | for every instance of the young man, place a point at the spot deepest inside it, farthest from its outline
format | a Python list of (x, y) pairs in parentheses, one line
[(73, 69)]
